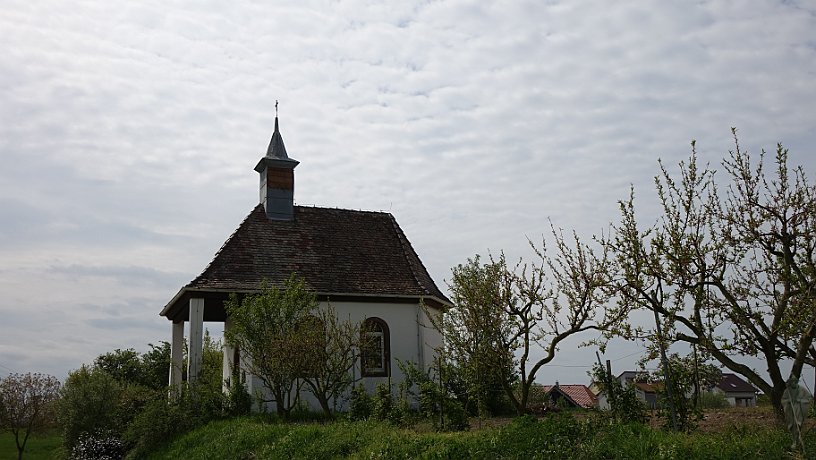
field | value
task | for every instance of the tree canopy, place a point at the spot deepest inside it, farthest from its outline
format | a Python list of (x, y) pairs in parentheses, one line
[(729, 266), (27, 405)]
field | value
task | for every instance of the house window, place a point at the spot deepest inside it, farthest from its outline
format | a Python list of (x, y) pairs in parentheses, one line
[(375, 349)]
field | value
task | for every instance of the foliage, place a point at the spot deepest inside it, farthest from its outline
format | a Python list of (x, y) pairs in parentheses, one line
[(121, 394), (122, 365), (382, 403), (161, 420), (208, 390), (360, 403), (26, 405), (712, 400), (239, 401), (688, 376), (265, 328), (98, 446), (436, 402), (331, 349), (89, 404), (475, 333), (624, 405), (501, 314), (128, 366), (729, 268), (558, 436)]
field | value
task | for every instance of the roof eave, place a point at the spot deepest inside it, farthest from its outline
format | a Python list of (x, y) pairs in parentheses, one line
[(435, 302)]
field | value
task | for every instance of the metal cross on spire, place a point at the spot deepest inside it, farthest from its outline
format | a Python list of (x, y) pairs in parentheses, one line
[(276, 107)]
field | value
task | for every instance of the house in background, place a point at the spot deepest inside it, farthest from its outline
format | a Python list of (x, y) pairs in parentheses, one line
[(359, 261), (646, 392), (569, 395), (737, 391)]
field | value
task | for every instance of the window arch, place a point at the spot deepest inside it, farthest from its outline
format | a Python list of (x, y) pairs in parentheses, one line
[(375, 349)]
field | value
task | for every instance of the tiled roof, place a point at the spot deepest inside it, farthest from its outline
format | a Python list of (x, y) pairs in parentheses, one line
[(337, 251), (731, 383), (580, 394)]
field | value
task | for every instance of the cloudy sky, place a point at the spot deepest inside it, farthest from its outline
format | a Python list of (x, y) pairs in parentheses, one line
[(129, 130)]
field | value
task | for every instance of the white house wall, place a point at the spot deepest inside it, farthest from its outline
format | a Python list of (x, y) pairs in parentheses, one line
[(412, 339)]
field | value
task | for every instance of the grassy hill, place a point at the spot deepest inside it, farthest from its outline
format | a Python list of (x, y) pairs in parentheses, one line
[(560, 436), (47, 446)]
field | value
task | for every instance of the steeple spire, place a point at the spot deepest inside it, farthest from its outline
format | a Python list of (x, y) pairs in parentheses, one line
[(277, 177), (276, 148)]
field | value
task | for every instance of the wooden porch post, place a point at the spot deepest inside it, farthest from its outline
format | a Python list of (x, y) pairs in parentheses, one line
[(176, 354), (195, 356)]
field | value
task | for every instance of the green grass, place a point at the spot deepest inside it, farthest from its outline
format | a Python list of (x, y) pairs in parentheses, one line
[(557, 437), (47, 446)]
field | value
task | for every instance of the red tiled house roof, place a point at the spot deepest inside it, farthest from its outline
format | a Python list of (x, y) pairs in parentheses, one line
[(578, 394)]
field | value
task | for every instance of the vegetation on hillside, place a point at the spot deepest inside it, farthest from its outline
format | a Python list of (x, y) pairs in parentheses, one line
[(560, 436)]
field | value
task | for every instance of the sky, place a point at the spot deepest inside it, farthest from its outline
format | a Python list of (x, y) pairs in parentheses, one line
[(129, 132)]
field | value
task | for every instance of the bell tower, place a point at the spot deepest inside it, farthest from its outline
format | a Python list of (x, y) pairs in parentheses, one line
[(277, 170)]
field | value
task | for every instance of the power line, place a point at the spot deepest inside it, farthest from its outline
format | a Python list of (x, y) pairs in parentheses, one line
[(627, 356)]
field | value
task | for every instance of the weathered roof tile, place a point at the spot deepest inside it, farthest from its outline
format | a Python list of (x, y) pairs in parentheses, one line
[(337, 251)]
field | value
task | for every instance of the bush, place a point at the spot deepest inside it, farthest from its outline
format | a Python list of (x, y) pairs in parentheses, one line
[(360, 404), (624, 404), (382, 403), (709, 400), (161, 420), (98, 446), (89, 404), (239, 401)]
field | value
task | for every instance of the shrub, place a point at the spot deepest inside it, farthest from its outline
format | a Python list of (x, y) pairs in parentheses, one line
[(360, 404), (709, 400), (239, 401), (162, 420), (438, 403), (623, 402), (89, 403), (98, 446), (383, 403)]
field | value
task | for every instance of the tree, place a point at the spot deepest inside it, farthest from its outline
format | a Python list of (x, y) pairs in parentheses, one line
[(475, 331), (731, 270), (501, 314), (89, 404), (687, 375), (148, 369), (122, 365), (154, 364), (26, 405), (331, 346), (265, 328)]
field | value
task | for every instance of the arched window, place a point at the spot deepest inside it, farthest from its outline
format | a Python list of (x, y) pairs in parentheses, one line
[(375, 356)]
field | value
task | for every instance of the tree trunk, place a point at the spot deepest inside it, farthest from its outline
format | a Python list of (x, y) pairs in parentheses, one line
[(324, 404), (776, 401)]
